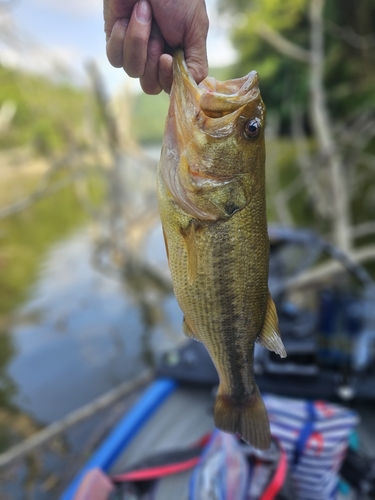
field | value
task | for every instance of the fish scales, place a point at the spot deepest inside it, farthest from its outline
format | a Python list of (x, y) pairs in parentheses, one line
[(212, 208)]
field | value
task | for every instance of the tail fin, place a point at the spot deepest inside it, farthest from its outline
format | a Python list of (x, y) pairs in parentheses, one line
[(249, 420)]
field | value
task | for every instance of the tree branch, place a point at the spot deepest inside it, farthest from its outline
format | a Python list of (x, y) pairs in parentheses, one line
[(41, 438), (323, 130), (363, 42), (282, 44), (329, 269), (364, 229), (368, 160), (292, 189), (307, 167)]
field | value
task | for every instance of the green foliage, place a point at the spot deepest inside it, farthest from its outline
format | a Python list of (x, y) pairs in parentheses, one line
[(148, 116), (26, 237), (24, 240), (47, 115), (287, 171), (350, 71), (282, 80), (49, 118), (279, 14)]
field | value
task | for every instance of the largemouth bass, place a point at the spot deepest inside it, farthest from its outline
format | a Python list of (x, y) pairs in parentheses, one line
[(211, 196)]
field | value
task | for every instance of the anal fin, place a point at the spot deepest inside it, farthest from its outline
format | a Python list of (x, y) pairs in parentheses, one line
[(270, 336)]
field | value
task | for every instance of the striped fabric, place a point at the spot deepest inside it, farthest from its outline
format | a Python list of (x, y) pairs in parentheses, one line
[(314, 436)]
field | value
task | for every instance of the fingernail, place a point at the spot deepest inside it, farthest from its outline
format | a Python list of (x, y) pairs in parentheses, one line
[(124, 21), (143, 12)]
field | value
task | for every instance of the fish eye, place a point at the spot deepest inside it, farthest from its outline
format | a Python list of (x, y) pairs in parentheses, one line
[(252, 128)]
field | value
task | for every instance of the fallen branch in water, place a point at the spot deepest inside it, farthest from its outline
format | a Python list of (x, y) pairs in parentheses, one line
[(45, 188), (41, 438), (43, 192)]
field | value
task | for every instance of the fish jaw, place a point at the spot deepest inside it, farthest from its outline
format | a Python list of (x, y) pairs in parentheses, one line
[(207, 162)]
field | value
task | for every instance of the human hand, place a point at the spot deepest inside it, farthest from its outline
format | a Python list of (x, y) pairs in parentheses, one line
[(139, 34)]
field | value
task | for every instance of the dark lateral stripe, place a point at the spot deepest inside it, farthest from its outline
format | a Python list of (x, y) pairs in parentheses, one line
[(225, 292)]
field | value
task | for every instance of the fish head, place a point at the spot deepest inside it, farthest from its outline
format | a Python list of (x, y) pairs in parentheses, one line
[(213, 152)]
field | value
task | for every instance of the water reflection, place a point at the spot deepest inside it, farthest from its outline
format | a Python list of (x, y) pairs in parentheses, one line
[(7, 385), (148, 289), (80, 334)]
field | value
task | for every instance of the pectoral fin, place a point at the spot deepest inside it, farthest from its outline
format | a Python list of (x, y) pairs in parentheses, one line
[(187, 330), (166, 244), (270, 336), (191, 249)]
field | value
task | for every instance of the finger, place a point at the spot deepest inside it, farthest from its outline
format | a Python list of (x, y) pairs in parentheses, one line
[(136, 39), (114, 10), (196, 48), (166, 72), (186, 26), (115, 43), (196, 61), (150, 79)]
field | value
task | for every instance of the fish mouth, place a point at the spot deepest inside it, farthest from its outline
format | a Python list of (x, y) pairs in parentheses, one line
[(215, 99)]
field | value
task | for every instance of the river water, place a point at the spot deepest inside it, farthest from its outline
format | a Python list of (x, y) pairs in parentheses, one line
[(80, 333)]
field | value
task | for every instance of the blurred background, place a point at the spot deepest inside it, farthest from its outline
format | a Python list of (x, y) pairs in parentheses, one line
[(86, 300)]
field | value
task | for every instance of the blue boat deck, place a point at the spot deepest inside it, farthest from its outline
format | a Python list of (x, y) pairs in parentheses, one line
[(183, 419)]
